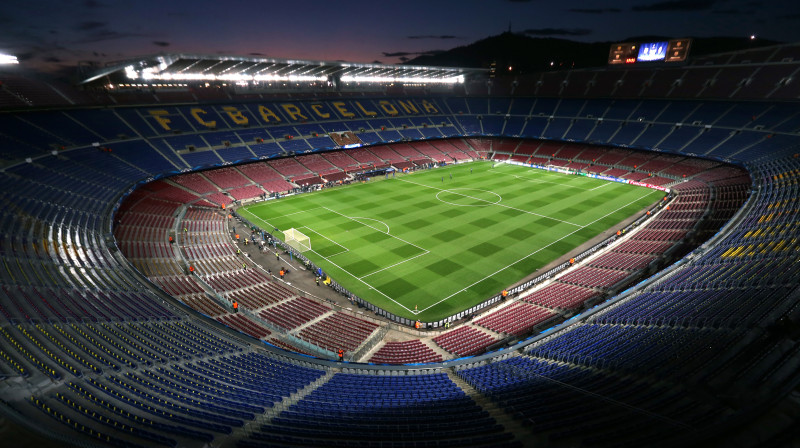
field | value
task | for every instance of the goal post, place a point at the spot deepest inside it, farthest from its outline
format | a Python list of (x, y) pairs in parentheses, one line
[(297, 240)]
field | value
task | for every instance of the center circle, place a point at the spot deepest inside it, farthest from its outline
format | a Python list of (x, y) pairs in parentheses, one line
[(468, 197)]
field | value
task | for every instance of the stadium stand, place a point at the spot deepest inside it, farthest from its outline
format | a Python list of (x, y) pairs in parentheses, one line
[(93, 351), (407, 352)]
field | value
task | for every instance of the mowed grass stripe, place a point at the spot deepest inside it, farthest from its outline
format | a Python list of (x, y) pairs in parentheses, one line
[(558, 246), (434, 249), (356, 245)]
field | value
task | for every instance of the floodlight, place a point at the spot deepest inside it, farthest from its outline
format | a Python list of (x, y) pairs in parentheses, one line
[(8, 59), (413, 79)]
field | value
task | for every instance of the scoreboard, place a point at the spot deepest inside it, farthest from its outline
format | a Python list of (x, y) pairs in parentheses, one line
[(674, 50)]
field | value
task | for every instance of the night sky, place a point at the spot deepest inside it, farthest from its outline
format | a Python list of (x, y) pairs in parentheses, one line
[(53, 35)]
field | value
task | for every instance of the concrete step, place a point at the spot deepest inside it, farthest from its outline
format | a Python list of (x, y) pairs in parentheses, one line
[(265, 418), (521, 433)]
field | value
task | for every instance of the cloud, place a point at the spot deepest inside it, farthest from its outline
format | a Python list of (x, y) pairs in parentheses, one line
[(595, 10), (161, 43), (50, 58), (676, 5), (103, 34), (429, 36), (557, 31), (26, 56), (88, 26), (402, 54), (95, 31)]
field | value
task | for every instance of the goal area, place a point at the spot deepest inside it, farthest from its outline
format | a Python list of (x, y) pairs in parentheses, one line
[(297, 240)]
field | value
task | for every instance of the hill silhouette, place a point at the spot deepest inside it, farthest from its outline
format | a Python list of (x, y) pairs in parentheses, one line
[(525, 54)]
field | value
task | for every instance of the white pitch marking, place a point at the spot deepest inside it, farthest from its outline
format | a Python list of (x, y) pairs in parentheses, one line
[(362, 281), (375, 229), (275, 217), (600, 186), (532, 253), (295, 213), (259, 218), (332, 241), (356, 218), (452, 190), (492, 203), (538, 181), (396, 264)]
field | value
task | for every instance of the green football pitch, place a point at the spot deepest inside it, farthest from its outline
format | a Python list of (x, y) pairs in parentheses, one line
[(433, 243)]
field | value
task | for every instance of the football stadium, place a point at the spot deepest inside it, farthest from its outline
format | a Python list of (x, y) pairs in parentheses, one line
[(229, 251)]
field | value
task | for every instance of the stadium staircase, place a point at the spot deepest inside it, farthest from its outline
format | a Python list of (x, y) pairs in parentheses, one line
[(321, 317), (427, 342), (139, 135), (169, 159), (513, 425), (436, 348), (365, 357), (266, 417), (188, 190)]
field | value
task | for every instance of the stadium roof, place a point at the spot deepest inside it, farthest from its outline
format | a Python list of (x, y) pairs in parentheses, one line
[(200, 67)]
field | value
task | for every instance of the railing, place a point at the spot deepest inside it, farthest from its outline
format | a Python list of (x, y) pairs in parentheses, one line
[(369, 344), (275, 328)]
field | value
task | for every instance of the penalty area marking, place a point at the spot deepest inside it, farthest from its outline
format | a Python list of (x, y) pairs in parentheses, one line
[(249, 210), (360, 279), (327, 258), (356, 219), (334, 242), (260, 219), (375, 229)]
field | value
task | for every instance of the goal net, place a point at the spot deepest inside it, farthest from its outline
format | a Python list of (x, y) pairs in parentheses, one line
[(297, 240)]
